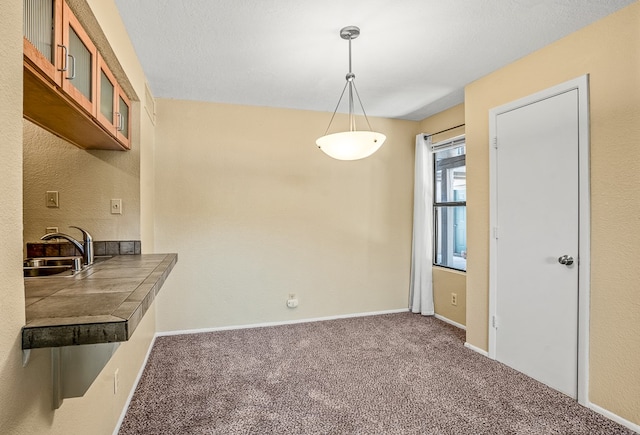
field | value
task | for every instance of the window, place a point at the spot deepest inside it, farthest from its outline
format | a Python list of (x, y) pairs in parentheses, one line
[(450, 204)]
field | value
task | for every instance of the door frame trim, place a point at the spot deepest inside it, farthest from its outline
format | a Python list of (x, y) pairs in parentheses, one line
[(581, 84)]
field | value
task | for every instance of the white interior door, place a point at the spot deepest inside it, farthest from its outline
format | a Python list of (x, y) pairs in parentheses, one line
[(536, 224)]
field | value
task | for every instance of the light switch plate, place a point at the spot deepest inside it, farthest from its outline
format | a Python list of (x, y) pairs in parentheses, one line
[(52, 198), (116, 206)]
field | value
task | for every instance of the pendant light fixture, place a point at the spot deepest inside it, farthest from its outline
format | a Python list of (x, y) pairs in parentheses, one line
[(352, 144)]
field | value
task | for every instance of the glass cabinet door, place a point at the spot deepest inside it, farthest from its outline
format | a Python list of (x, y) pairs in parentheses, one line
[(123, 120), (107, 92), (107, 84), (113, 105), (78, 81), (42, 30), (80, 65)]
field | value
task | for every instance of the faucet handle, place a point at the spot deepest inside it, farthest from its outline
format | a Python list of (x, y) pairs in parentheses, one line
[(87, 251), (85, 234)]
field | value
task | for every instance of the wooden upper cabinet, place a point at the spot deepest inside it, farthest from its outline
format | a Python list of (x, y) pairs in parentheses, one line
[(56, 43), (78, 77), (42, 24), (68, 88), (113, 105)]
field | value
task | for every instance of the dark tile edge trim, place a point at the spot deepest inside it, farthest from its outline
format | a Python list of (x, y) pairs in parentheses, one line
[(72, 335), (158, 281)]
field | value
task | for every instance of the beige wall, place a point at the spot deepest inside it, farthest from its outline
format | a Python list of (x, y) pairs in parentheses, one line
[(147, 183), (25, 393), (447, 281), (12, 379), (609, 51), (143, 134), (86, 182), (256, 211)]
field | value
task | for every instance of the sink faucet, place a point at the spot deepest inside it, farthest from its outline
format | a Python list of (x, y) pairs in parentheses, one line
[(86, 248)]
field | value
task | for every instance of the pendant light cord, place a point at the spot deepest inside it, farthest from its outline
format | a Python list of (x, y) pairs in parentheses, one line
[(336, 109), (352, 87), (350, 78), (350, 72), (362, 106)]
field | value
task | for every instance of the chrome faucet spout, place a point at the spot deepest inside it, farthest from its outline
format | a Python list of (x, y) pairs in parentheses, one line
[(85, 248), (77, 244)]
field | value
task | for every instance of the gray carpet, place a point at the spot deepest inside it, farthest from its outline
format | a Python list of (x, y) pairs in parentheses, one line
[(389, 374)]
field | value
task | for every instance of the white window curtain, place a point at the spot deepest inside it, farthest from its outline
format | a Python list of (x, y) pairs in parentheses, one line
[(421, 287)]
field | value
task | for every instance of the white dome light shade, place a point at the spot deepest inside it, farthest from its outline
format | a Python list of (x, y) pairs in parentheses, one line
[(351, 145)]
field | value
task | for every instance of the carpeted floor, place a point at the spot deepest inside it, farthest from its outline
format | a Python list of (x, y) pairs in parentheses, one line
[(390, 374)]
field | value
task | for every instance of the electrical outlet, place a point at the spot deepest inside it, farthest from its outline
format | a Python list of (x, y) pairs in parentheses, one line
[(292, 302), (116, 381), (50, 230), (116, 206), (52, 199), (454, 299)]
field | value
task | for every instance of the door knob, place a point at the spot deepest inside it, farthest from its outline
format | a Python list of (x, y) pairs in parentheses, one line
[(567, 260)]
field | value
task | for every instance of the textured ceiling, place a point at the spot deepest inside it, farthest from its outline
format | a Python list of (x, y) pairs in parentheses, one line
[(412, 59)]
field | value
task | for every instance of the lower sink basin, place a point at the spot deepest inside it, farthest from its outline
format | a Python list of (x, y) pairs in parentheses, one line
[(38, 271), (55, 266), (51, 261), (49, 266)]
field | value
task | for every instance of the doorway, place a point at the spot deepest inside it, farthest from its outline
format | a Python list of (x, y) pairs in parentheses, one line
[(539, 246)]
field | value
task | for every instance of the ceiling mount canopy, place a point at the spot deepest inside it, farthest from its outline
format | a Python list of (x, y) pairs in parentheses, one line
[(352, 144)]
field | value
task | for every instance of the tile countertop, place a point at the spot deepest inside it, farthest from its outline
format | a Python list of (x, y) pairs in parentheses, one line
[(101, 304)]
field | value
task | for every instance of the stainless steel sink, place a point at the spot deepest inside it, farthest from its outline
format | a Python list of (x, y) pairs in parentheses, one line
[(54, 266), (40, 271), (50, 261), (51, 266)]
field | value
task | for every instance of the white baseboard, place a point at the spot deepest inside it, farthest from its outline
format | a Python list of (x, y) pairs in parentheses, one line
[(476, 349), (611, 416), (450, 322), (285, 322), (135, 385)]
